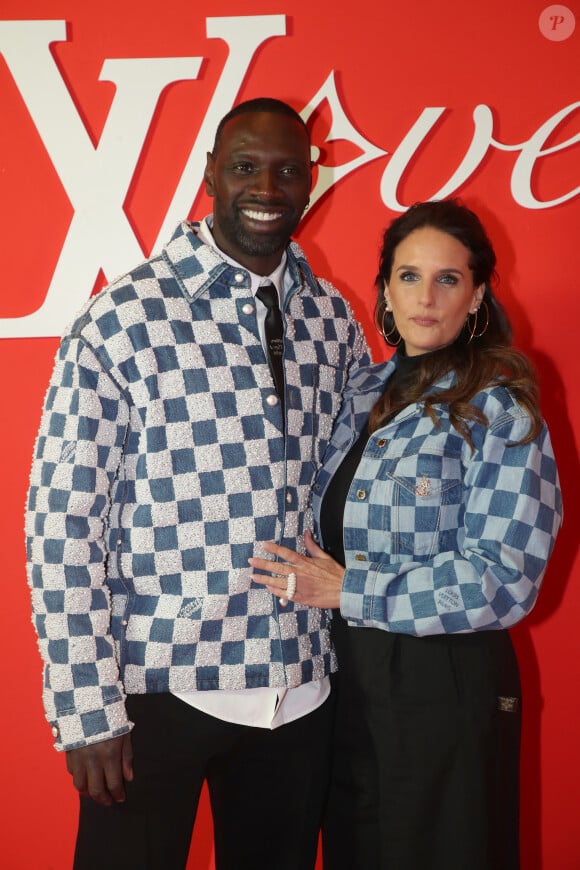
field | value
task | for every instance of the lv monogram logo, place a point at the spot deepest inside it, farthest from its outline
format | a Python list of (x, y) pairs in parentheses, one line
[(97, 179)]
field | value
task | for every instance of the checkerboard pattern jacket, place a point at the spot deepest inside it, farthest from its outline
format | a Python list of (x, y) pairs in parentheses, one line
[(160, 466), (438, 538)]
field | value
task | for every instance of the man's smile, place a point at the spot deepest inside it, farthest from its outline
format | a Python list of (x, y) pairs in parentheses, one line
[(266, 216)]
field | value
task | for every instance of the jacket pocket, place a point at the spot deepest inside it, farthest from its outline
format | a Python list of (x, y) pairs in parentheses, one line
[(427, 504)]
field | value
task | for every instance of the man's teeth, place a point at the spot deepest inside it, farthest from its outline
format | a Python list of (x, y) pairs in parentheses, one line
[(262, 215)]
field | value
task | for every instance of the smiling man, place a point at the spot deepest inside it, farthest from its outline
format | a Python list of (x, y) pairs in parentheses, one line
[(173, 443), (259, 174)]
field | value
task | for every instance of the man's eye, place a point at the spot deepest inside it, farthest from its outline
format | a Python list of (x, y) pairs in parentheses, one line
[(290, 170), (243, 168)]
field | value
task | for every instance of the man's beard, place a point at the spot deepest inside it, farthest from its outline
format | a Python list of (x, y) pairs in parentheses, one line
[(256, 244)]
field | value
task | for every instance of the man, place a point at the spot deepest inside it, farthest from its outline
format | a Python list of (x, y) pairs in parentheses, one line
[(165, 456)]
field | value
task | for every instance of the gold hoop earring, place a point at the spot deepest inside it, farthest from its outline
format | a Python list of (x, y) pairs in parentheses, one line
[(387, 335), (471, 327)]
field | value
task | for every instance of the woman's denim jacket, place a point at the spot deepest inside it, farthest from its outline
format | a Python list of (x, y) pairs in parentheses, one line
[(439, 538)]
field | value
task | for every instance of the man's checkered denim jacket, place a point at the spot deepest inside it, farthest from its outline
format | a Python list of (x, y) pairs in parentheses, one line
[(159, 467), (438, 538)]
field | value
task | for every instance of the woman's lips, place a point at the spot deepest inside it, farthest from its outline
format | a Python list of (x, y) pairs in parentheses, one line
[(424, 321)]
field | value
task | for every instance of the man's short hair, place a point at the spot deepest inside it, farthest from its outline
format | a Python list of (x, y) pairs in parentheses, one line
[(258, 104)]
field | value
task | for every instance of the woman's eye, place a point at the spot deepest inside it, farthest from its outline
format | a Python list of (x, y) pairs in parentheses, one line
[(408, 276), (448, 279)]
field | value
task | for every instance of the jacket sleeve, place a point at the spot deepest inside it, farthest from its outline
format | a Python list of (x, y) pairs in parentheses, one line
[(361, 354), (512, 511), (77, 457)]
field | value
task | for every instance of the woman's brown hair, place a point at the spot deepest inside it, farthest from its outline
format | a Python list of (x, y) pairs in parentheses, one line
[(477, 361)]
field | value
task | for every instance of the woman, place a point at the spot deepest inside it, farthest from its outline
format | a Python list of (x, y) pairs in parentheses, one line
[(436, 510)]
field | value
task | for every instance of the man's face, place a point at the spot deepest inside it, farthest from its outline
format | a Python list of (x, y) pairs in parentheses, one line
[(260, 180)]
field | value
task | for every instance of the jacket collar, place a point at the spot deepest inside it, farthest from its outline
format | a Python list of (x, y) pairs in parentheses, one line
[(373, 379), (197, 266)]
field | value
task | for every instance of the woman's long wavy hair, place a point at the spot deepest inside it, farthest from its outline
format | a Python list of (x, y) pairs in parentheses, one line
[(478, 362)]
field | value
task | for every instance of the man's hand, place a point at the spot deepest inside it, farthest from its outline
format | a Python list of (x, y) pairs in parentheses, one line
[(99, 770)]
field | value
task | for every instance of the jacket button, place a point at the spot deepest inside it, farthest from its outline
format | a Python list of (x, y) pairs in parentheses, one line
[(239, 277), (288, 497), (381, 442), (360, 557), (272, 400), (248, 308), (361, 494)]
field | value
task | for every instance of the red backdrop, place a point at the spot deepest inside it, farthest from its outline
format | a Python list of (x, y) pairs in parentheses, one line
[(107, 111)]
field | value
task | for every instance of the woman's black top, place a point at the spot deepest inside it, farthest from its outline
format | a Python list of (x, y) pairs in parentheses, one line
[(332, 508)]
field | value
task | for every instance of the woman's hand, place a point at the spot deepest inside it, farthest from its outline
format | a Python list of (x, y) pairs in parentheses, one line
[(318, 577)]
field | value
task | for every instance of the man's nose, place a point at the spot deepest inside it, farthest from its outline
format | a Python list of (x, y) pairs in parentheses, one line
[(265, 182)]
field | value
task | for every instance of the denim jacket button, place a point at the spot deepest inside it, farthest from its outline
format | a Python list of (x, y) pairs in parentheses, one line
[(248, 308), (361, 494), (272, 400)]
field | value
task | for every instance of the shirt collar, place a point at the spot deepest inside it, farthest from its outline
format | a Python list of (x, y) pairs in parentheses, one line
[(277, 277)]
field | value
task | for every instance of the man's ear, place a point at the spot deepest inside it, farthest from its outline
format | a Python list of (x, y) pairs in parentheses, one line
[(208, 174)]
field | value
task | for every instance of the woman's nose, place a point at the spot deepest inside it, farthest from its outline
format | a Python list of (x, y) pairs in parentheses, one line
[(427, 294)]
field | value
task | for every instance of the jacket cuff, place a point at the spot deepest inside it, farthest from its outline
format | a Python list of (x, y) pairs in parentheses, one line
[(74, 729), (352, 596)]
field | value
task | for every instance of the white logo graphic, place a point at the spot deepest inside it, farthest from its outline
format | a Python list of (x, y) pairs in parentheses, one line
[(96, 179)]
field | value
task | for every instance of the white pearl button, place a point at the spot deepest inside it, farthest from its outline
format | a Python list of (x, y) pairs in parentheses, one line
[(239, 277), (288, 498), (272, 400), (248, 308)]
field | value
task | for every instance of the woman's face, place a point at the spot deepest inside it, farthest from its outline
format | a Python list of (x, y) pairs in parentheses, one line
[(430, 290)]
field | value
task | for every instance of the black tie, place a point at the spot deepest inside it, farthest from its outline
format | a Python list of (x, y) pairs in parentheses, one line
[(274, 330)]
